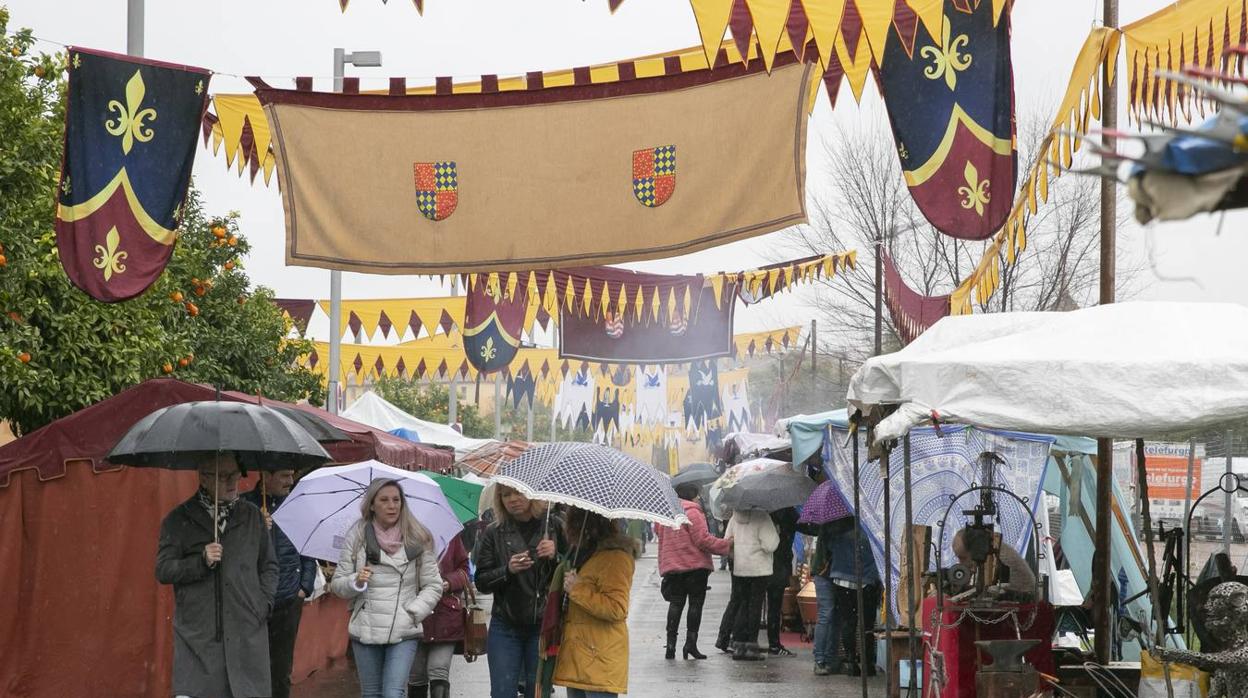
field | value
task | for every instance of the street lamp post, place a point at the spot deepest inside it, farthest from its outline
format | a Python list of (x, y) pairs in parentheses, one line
[(359, 59)]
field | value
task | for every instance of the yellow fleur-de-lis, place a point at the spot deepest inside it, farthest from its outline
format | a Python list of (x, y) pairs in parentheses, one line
[(488, 352), (947, 59), (975, 194), (129, 122), (111, 258)]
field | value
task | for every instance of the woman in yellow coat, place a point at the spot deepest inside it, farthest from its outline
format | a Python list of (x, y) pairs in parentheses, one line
[(593, 655)]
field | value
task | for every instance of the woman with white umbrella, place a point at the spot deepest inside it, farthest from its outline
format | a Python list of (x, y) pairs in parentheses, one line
[(389, 572)]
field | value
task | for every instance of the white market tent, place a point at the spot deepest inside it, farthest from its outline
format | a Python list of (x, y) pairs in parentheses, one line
[(376, 412), (1126, 370)]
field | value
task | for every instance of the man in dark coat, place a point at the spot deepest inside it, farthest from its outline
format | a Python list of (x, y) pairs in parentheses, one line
[(296, 576), (236, 566)]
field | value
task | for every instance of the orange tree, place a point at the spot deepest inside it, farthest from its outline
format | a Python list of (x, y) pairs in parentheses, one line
[(60, 350)]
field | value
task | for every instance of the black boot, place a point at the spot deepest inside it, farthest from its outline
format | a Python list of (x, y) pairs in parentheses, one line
[(747, 651), (691, 647), (439, 689), (670, 652), (417, 690)]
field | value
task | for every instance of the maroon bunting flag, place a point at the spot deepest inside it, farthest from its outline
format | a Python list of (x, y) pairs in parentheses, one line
[(912, 312), (130, 130)]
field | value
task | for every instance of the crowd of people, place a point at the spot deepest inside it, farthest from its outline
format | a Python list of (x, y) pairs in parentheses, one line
[(560, 579)]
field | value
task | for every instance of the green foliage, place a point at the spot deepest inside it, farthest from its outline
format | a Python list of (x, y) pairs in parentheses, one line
[(60, 350), (431, 403)]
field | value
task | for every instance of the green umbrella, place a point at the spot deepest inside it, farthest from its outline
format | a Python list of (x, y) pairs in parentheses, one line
[(462, 495)]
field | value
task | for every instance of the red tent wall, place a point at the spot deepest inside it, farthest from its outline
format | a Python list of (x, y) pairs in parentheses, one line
[(81, 613)]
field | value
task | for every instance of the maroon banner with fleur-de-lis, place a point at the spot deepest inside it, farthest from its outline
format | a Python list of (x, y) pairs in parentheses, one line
[(130, 131), (493, 320)]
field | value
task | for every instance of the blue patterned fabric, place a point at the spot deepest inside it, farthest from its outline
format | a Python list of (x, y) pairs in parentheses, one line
[(942, 466)]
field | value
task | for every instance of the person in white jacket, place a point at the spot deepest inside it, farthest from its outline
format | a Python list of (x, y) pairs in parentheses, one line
[(389, 573), (754, 541)]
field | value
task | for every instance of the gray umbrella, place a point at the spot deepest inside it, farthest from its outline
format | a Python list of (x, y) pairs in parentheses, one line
[(182, 436), (696, 474), (768, 491), (595, 478)]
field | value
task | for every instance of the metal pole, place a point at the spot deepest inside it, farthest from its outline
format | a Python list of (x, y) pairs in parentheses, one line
[(498, 407), (814, 348), (1227, 501), (862, 632), (889, 660), (452, 407), (529, 424), (1191, 473), (879, 297), (1105, 447), (134, 27), (911, 592), (335, 283)]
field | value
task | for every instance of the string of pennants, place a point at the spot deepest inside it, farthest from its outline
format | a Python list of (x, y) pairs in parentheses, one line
[(442, 357), (575, 291)]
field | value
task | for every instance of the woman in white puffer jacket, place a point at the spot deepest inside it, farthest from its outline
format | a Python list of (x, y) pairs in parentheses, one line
[(389, 572)]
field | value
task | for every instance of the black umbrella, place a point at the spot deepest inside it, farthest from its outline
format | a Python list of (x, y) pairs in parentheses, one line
[(696, 474), (321, 430), (182, 436)]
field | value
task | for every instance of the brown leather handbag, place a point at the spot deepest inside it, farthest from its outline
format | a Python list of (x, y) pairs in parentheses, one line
[(476, 625)]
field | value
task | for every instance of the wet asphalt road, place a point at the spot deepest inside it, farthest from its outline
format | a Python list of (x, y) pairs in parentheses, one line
[(649, 673)]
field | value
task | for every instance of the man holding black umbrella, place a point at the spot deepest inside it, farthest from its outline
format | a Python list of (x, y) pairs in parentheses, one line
[(296, 576), (217, 554)]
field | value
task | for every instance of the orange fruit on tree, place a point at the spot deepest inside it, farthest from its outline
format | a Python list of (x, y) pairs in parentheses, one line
[(192, 309), (3, 260), (24, 357), (229, 265), (200, 290), (167, 368), (232, 241), (183, 363), (176, 296), (218, 231), (38, 71)]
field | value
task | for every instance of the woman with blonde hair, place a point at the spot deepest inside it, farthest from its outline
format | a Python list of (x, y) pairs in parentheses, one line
[(389, 572), (515, 557)]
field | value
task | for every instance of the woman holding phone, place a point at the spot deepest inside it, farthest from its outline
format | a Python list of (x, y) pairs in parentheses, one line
[(515, 560)]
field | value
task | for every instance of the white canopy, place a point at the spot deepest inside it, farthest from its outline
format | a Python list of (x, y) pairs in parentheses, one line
[(373, 410), (1125, 370)]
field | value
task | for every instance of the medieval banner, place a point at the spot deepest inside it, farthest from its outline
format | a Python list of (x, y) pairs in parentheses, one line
[(950, 100), (130, 130), (702, 403), (705, 332), (493, 320), (582, 173)]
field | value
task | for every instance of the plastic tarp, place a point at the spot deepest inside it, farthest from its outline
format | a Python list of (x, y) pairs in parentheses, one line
[(806, 431), (373, 410), (1124, 370)]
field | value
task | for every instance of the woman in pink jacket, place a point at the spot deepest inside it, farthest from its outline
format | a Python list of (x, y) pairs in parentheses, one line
[(685, 563)]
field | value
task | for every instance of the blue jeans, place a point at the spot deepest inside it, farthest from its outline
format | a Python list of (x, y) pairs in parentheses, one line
[(579, 693), (383, 669), (827, 641), (512, 655)]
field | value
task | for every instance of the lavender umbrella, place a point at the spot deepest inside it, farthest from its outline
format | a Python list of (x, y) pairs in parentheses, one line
[(325, 504), (825, 504)]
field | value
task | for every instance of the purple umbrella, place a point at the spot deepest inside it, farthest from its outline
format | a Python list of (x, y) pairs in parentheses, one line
[(825, 504)]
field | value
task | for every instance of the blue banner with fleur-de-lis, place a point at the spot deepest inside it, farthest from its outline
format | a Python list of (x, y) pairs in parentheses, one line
[(130, 130), (950, 101), (493, 320)]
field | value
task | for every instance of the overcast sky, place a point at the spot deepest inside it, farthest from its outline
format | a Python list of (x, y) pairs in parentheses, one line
[(467, 38)]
